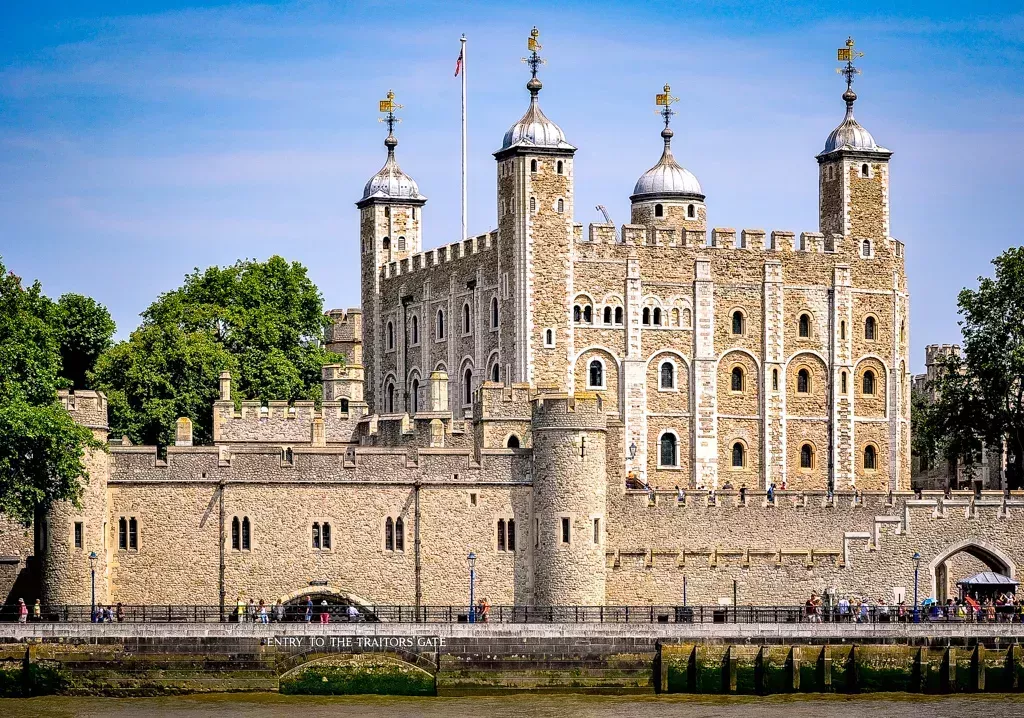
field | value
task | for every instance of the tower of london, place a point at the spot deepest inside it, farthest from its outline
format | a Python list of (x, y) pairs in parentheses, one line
[(600, 414)]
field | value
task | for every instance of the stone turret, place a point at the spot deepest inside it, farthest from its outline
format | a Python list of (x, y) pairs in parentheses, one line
[(67, 535), (569, 490)]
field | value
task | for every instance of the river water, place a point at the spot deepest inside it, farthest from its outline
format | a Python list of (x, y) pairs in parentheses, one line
[(521, 706)]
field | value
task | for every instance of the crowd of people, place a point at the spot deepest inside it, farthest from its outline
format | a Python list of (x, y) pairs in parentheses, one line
[(260, 612), (862, 609)]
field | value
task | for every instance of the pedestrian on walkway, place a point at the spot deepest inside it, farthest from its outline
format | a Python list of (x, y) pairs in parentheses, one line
[(325, 615), (120, 612), (240, 605), (771, 493), (251, 611), (263, 612), (22, 611), (37, 611), (353, 613), (279, 611), (309, 610)]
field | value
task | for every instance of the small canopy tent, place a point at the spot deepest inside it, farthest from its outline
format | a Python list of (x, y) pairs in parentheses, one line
[(987, 583)]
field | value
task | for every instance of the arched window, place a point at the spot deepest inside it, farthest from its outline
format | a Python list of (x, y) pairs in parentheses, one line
[(316, 534), (467, 387), (588, 314), (344, 406), (805, 325), (668, 375), (494, 312), (870, 328), (389, 534), (869, 457), (465, 318), (865, 248), (675, 317), (558, 167), (842, 382), (775, 379), (549, 338), (415, 395), (495, 372), (325, 535), (737, 322), (512, 442), (842, 329), (389, 393), (687, 316), (440, 324), (533, 165), (647, 315), (501, 534), (658, 210), (806, 457), (401, 243), (737, 379), (618, 315), (415, 329), (236, 533), (868, 383), (122, 533), (577, 314), (561, 206), (595, 374), (691, 211), (246, 534), (669, 450), (803, 381), (738, 455), (865, 171), (399, 534), (607, 315), (386, 244), (657, 316), (391, 335), (533, 205)]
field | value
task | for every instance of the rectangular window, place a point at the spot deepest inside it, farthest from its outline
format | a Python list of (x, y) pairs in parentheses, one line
[(511, 535), (472, 499), (235, 540), (122, 533), (78, 534), (501, 534), (536, 533), (133, 534), (326, 536), (316, 535), (246, 538), (565, 529), (597, 531)]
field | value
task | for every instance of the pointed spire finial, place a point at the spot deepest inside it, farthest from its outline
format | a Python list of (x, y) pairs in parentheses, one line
[(848, 54), (388, 106), (534, 61)]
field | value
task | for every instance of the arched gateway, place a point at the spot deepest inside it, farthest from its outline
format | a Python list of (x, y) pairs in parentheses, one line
[(994, 558), (338, 600)]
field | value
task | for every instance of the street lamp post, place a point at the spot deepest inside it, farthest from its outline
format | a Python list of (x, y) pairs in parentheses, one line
[(92, 568), (471, 559), (917, 567)]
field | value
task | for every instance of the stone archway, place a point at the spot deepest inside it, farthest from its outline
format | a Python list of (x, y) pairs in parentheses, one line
[(298, 597), (988, 553)]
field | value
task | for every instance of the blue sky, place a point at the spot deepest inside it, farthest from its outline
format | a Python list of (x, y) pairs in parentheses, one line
[(141, 139)]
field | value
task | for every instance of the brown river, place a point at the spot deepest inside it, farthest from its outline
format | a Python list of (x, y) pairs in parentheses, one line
[(272, 704)]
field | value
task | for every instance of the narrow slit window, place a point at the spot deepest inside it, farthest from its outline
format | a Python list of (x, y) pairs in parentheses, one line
[(133, 533), (805, 325), (501, 534), (316, 534), (775, 379), (618, 315), (737, 455), (78, 534), (597, 531), (246, 534), (806, 457), (399, 534), (511, 535), (122, 533), (565, 530), (389, 534)]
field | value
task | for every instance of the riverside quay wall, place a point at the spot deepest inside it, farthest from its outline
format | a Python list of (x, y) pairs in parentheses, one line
[(447, 659)]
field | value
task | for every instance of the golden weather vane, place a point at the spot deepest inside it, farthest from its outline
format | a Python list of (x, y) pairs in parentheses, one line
[(848, 54), (532, 44), (665, 100), (389, 106)]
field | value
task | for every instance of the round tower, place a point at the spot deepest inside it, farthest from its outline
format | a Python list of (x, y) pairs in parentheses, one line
[(67, 536), (569, 490)]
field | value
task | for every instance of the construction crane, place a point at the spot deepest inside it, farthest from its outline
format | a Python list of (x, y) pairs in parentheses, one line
[(607, 217)]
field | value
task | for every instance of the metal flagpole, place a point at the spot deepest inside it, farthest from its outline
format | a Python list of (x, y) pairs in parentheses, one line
[(464, 220)]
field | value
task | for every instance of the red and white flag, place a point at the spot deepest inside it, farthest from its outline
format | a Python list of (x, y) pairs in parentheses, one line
[(458, 64)]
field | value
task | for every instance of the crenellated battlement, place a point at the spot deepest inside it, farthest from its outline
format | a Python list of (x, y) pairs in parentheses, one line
[(935, 353), (494, 400), (779, 241), (440, 255), (87, 407), (560, 410)]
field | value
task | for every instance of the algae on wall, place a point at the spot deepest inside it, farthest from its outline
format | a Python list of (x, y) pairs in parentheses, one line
[(354, 674)]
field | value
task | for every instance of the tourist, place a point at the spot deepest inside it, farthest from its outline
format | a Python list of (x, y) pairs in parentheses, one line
[(809, 608), (680, 496), (263, 612), (22, 611), (251, 611), (325, 616), (485, 609), (279, 611), (727, 486), (309, 610), (120, 612), (240, 604), (844, 609), (771, 493), (353, 613), (37, 611), (901, 610), (743, 494), (883, 610), (784, 484), (865, 609)]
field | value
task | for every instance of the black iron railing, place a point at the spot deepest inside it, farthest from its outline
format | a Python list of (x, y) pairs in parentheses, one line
[(339, 613)]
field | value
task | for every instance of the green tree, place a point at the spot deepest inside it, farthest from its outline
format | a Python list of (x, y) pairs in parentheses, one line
[(41, 447), (262, 321), (981, 393), (84, 331)]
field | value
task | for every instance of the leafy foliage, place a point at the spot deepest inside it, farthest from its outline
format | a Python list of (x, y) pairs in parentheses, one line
[(84, 331), (41, 447), (981, 392), (262, 321)]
